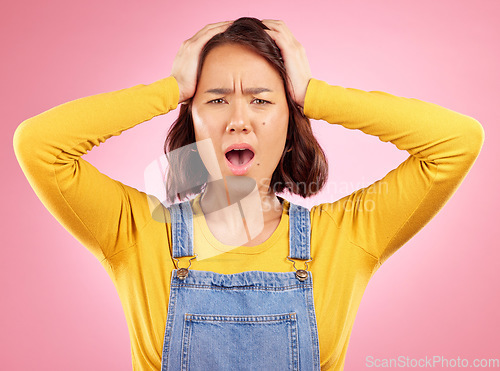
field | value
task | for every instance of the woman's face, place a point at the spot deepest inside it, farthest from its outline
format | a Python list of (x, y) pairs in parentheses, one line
[(240, 99)]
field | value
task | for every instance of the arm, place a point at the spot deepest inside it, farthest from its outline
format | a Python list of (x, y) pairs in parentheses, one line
[(99, 211), (103, 214), (442, 144)]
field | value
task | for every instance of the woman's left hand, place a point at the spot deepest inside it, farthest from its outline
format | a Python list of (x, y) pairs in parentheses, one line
[(294, 56)]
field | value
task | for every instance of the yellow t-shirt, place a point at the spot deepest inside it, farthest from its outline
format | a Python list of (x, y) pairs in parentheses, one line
[(350, 238)]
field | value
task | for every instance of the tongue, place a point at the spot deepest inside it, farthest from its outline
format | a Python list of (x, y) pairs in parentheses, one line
[(239, 157)]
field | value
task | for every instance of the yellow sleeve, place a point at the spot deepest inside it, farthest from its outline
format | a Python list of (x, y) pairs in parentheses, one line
[(102, 213), (442, 144)]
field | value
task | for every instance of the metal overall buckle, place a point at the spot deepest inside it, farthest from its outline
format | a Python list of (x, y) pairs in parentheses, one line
[(300, 274), (182, 273)]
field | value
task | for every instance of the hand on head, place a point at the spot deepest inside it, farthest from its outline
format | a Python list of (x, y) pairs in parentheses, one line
[(186, 61), (294, 56), (185, 66)]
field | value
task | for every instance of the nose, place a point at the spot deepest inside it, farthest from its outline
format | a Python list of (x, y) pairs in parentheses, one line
[(239, 119)]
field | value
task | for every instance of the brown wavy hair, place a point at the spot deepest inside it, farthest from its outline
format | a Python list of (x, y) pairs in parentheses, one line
[(303, 168)]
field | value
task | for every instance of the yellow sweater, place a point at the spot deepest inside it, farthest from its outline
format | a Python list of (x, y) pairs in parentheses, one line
[(350, 237)]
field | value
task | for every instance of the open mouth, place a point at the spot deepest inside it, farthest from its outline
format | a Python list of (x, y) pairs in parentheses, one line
[(239, 157)]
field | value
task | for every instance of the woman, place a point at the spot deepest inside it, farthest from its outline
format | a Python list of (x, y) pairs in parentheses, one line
[(225, 281)]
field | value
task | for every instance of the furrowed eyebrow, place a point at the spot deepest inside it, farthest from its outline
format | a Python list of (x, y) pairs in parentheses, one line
[(218, 91), (257, 90), (246, 91)]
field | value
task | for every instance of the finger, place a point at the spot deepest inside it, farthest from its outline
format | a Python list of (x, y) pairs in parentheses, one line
[(211, 30), (271, 33), (215, 25), (278, 38), (275, 36), (218, 23), (279, 31), (272, 21), (276, 25)]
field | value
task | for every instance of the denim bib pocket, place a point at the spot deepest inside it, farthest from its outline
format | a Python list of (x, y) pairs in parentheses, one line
[(216, 342)]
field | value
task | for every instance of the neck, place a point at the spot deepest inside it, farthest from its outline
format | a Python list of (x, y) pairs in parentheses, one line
[(237, 200)]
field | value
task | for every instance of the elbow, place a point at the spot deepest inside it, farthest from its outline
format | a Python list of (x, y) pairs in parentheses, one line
[(19, 140), (24, 141), (465, 139), (474, 138)]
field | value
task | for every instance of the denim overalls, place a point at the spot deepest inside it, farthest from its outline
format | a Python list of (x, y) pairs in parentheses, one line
[(251, 320)]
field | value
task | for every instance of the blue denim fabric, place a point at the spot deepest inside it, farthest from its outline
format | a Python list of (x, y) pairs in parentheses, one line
[(245, 321)]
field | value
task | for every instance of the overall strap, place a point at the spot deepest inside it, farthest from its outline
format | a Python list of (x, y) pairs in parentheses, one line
[(181, 217), (300, 232)]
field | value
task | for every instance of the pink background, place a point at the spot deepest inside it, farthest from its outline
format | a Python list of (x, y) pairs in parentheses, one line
[(437, 296)]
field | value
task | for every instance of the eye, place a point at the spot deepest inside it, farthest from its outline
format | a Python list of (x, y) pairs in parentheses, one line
[(217, 101), (261, 102)]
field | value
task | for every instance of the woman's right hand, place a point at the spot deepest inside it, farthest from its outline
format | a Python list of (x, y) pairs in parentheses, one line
[(185, 66)]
